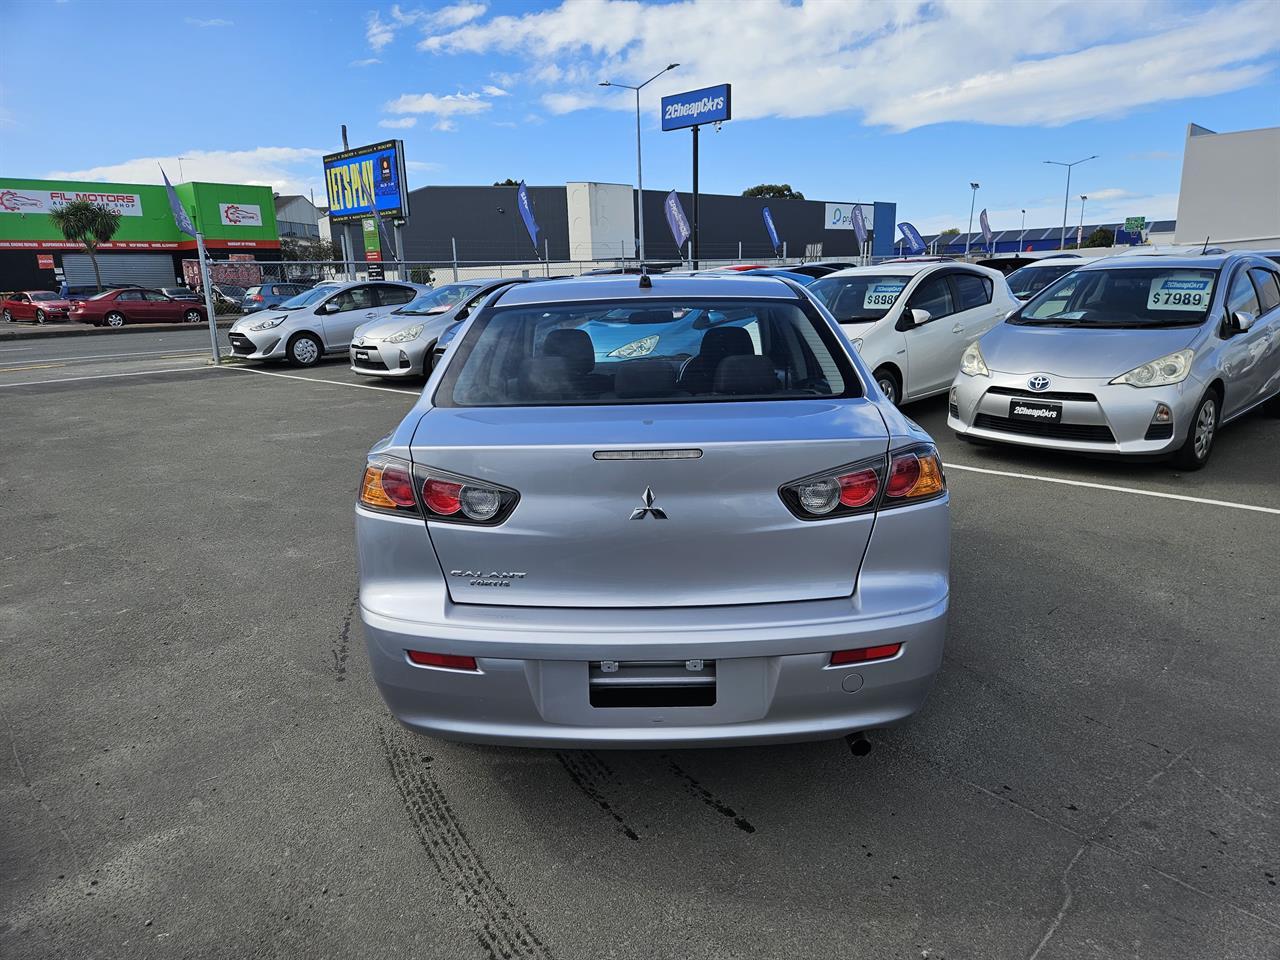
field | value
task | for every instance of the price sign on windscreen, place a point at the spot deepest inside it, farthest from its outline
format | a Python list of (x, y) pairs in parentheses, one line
[(882, 294), (1180, 292)]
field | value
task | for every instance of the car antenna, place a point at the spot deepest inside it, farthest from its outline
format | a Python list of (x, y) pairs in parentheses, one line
[(645, 282), (1206, 245)]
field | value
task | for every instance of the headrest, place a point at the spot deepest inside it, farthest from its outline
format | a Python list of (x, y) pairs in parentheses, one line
[(574, 346), (644, 378), (726, 342), (545, 378), (745, 376)]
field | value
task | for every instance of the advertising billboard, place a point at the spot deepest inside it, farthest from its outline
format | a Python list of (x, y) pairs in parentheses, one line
[(840, 215), (44, 201), (240, 214), (695, 107), (367, 181)]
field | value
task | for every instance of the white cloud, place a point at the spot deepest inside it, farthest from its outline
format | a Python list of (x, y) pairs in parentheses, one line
[(205, 24), (901, 64), (491, 91), (378, 32), (366, 62), (445, 125), (404, 123), (284, 169), (449, 105), (381, 32)]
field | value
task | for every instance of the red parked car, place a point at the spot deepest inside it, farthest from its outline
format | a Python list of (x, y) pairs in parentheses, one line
[(34, 305), (115, 308)]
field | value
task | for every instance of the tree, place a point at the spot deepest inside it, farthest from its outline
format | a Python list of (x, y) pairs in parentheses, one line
[(773, 191), (950, 232), (506, 183), (1102, 237), (309, 248), (88, 224)]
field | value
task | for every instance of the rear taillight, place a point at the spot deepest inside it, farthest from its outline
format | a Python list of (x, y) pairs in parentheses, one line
[(256, 298), (905, 476), (394, 486), (446, 661)]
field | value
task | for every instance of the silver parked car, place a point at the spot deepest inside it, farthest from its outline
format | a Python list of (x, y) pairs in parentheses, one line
[(317, 321), (741, 544), (1146, 356), (402, 343)]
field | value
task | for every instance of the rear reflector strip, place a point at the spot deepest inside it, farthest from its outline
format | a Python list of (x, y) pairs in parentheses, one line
[(865, 654), (647, 454), (446, 660)]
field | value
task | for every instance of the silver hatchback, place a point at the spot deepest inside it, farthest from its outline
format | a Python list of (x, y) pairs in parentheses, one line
[(733, 538), (1136, 356)]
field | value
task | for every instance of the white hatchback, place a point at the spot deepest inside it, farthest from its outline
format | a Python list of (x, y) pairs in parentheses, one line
[(911, 321), (317, 321)]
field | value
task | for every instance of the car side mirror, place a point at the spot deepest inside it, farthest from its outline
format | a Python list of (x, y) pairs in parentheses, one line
[(330, 306), (1011, 312), (1242, 320), (920, 317)]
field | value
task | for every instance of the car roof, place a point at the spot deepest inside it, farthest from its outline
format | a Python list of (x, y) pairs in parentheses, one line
[(909, 269), (1211, 261), (627, 287)]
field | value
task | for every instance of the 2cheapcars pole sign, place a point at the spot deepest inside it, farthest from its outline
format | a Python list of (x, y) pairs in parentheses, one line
[(367, 181), (696, 107)]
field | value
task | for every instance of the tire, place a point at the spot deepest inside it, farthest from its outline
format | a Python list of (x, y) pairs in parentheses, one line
[(889, 385), (40, 317), (191, 316), (8, 317), (115, 319), (1198, 447), (304, 350)]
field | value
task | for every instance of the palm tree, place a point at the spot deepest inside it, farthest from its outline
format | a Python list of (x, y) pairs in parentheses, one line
[(88, 224)]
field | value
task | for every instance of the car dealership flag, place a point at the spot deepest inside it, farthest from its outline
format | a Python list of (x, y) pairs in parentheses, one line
[(915, 243), (773, 231), (986, 227), (180, 216), (526, 213), (676, 219), (859, 225)]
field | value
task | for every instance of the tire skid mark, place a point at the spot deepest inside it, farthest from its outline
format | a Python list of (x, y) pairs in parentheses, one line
[(710, 799), (341, 651), (494, 918), (589, 774)]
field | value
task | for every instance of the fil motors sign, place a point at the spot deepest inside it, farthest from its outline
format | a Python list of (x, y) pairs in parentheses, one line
[(696, 107), (240, 214), (46, 201)]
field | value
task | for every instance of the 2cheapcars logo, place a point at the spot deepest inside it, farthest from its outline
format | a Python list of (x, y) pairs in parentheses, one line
[(693, 108), (1041, 413)]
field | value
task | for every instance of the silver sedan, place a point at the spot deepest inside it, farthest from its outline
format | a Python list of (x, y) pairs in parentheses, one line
[(737, 540), (1135, 356)]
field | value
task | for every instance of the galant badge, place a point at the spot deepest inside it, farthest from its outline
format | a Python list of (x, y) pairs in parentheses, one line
[(648, 510), (1039, 382)]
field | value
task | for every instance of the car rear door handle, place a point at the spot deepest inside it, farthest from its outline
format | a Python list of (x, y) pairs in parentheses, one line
[(957, 329)]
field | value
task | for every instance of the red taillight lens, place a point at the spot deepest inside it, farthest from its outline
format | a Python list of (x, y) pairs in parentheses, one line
[(903, 473), (915, 474), (388, 486), (398, 485), (446, 660), (442, 497), (256, 298), (865, 654), (860, 488)]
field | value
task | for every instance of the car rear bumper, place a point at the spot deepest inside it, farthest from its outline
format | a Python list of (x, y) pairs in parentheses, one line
[(540, 667), (1097, 416)]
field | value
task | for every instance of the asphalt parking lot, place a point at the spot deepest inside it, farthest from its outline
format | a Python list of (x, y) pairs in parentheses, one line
[(200, 766)]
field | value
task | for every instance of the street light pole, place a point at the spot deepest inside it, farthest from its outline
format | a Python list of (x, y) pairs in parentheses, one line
[(639, 165), (1066, 197), (972, 199), (1080, 229), (1022, 234)]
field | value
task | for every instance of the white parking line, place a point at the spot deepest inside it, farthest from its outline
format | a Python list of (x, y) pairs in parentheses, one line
[(100, 376), (336, 383), (1115, 489)]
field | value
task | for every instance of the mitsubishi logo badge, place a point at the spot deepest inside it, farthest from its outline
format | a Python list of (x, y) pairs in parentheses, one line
[(648, 510)]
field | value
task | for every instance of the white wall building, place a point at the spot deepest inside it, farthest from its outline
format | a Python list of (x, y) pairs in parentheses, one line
[(1230, 188)]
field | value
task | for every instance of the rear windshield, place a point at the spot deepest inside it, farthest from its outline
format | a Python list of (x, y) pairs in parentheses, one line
[(655, 351), (1132, 297), (1029, 280), (859, 298)]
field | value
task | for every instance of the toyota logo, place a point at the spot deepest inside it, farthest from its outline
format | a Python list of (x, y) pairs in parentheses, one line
[(1038, 382)]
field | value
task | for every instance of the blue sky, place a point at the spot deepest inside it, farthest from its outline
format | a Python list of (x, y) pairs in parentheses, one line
[(847, 101)]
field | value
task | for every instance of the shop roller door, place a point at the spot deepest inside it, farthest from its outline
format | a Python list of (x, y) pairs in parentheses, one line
[(144, 269)]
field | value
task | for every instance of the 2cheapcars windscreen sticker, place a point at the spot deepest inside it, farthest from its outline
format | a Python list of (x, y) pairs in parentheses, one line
[(1180, 291), (882, 293)]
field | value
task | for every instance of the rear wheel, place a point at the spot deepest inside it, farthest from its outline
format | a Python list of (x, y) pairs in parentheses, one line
[(304, 350), (39, 316), (8, 317), (115, 319), (191, 316), (889, 385), (1195, 450)]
